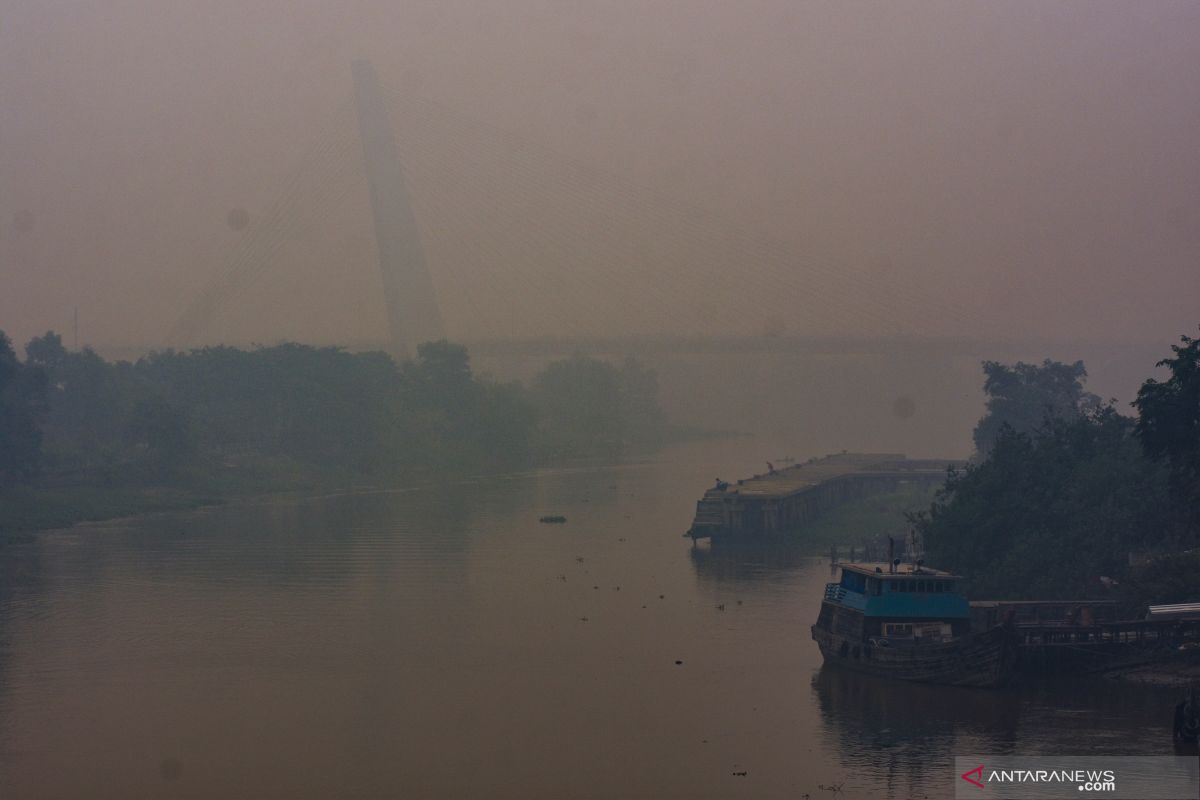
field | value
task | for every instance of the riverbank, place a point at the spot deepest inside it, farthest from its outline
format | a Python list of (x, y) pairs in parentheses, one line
[(94, 440), (55, 502), (29, 509), (1180, 670)]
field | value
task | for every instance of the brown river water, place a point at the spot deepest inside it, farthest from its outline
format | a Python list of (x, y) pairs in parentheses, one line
[(440, 642)]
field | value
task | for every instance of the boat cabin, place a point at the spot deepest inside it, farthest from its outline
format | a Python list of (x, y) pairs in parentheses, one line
[(901, 604)]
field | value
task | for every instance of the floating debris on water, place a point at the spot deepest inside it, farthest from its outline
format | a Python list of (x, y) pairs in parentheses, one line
[(556, 519)]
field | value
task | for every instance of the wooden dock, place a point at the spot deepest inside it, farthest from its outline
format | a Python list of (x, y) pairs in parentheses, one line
[(784, 500), (1084, 636)]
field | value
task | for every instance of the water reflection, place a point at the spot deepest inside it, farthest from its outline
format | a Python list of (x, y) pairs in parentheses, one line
[(905, 736), (23, 589), (746, 562), (914, 723), (314, 540)]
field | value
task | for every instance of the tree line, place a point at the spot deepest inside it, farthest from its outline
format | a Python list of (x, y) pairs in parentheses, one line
[(72, 415), (1069, 498)]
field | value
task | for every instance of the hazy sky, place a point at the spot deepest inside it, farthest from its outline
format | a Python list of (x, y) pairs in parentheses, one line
[(1030, 169)]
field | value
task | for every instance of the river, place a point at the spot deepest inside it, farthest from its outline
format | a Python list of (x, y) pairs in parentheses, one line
[(440, 642)]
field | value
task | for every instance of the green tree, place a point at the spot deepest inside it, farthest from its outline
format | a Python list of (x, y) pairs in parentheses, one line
[(22, 409), (645, 421), (1169, 578), (579, 400), (46, 352), (589, 407), (89, 400), (1169, 423), (163, 431), (1050, 511), (1024, 396), (441, 377), (506, 422)]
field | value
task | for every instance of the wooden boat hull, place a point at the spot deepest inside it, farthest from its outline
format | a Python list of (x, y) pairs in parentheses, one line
[(983, 659)]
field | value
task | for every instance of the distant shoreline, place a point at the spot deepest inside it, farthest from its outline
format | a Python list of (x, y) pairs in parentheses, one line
[(42, 506)]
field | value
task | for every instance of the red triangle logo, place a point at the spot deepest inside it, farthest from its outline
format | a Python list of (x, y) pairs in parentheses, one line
[(966, 776)]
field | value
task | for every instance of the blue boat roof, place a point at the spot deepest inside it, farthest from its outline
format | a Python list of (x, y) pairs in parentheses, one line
[(910, 592)]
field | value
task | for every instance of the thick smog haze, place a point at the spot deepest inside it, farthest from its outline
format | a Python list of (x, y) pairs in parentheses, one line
[(550, 398), (1001, 171)]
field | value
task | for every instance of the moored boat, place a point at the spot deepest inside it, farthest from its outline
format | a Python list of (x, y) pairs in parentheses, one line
[(910, 622)]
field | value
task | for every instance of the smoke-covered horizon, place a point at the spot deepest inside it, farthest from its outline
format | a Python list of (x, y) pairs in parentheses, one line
[(930, 170)]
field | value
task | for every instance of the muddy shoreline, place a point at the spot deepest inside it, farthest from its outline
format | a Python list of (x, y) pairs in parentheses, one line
[(1179, 670)]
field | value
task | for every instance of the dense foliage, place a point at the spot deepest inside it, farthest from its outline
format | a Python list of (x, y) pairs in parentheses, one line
[(590, 407), (1082, 504), (1049, 512), (1023, 396), (1169, 423), (174, 415), (22, 407)]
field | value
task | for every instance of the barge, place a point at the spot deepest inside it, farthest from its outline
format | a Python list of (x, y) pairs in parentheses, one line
[(785, 500)]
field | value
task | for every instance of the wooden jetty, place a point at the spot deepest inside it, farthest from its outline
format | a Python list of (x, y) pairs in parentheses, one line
[(1088, 636), (987, 614), (784, 500)]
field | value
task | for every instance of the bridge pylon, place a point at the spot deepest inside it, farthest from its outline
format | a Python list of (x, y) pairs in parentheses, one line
[(408, 292)]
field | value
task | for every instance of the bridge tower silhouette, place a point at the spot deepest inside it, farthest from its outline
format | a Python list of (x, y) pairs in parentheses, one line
[(412, 310)]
